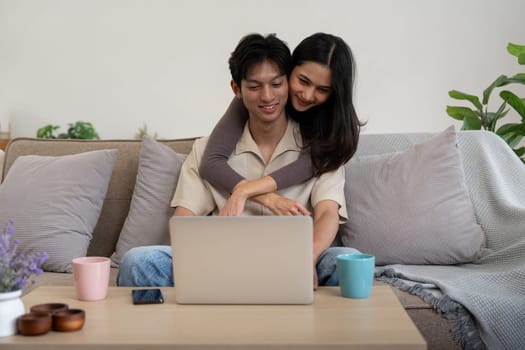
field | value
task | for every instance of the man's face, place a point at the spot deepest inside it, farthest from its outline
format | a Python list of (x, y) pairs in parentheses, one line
[(264, 92)]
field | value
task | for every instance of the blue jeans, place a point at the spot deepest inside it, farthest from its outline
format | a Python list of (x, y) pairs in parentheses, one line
[(152, 266)]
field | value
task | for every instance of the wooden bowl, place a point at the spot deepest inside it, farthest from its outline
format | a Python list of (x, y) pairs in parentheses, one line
[(68, 320), (49, 307), (34, 323)]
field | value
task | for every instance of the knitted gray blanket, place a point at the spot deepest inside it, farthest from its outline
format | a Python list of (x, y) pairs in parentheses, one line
[(485, 298)]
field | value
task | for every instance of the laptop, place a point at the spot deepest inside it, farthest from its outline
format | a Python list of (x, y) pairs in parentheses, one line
[(243, 259)]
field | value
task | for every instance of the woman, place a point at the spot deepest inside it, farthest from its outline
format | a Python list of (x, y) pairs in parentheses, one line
[(321, 101)]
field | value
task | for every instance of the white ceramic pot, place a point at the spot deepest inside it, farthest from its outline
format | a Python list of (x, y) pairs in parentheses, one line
[(11, 306)]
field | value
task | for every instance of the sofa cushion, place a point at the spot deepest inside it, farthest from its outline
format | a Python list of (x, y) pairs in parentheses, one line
[(149, 213), (55, 203), (120, 190), (412, 207)]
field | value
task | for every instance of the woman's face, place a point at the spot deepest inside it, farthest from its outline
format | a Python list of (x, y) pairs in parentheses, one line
[(310, 85)]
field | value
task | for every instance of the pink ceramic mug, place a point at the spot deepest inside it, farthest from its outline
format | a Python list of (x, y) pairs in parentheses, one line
[(91, 274)]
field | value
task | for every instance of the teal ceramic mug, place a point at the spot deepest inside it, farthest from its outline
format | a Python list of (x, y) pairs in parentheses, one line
[(356, 274)]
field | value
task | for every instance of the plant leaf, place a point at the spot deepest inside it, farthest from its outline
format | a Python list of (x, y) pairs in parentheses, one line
[(514, 140), (471, 123), (458, 95), (515, 49), (520, 151), (460, 113), (47, 132), (502, 80), (501, 112), (515, 102), (512, 133), (509, 128), (492, 118), (518, 78)]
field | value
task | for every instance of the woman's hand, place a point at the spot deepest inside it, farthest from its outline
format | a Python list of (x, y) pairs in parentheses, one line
[(279, 205), (234, 205), (283, 206)]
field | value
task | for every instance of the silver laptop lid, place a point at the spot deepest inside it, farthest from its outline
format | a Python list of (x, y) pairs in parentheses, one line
[(243, 260)]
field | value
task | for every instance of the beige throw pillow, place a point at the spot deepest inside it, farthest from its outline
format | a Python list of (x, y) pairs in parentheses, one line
[(55, 203), (149, 213), (412, 207)]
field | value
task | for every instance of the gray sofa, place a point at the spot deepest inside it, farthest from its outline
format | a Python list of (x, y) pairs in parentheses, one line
[(435, 328)]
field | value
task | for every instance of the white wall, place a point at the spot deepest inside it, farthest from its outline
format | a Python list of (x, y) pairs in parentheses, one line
[(121, 63)]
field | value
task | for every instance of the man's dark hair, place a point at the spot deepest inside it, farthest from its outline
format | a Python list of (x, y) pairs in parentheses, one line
[(255, 48)]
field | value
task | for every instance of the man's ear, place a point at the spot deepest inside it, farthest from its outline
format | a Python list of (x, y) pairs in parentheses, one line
[(236, 89)]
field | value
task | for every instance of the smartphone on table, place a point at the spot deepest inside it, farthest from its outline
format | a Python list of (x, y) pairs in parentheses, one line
[(147, 296)]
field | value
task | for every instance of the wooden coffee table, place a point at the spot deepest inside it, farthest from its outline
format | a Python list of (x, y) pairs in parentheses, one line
[(332, 322)]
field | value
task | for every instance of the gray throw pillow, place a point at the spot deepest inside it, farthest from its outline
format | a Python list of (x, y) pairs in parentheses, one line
[(412, 207), (150, 211), (55, 203)]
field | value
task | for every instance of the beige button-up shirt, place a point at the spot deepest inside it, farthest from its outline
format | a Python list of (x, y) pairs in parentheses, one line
[(199, 196)]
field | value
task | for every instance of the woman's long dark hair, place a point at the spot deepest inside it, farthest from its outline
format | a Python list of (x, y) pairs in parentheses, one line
[(331, 130)]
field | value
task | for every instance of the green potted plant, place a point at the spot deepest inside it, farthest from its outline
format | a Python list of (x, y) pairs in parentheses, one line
[(480, 117), (77, 130)]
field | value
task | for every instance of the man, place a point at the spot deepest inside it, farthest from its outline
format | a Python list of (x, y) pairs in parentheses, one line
[(259, 66)]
